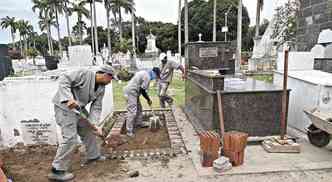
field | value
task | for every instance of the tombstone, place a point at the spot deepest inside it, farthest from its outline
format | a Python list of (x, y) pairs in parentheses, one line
[(151, 48), (80, 55), (328, 51), (318, 51), (325, 36), (210, 70), (37, 132), (169, 54), (28, 107)]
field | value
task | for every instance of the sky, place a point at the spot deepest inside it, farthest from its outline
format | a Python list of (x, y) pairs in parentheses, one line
[(152, 10)]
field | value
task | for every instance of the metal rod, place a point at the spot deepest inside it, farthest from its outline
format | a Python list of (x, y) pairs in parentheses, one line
[(284, 98), (221, 115)]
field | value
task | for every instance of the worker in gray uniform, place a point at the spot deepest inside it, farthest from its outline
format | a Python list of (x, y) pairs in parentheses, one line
[(76, 90), (137, 86), (167, 68)]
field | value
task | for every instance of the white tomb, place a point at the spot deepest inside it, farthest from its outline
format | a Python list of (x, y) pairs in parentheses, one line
[(318, 51), (26, 105), (80, 55)]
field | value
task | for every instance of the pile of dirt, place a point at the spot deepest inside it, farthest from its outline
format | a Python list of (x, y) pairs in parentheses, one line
[(33, 163), (146, 139)]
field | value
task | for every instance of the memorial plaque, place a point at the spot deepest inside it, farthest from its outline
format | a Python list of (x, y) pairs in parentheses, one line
[(206, 52), (36, 132)]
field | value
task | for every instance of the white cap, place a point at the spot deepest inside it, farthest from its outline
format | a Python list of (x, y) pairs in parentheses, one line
[(162, 56), (106, 68)]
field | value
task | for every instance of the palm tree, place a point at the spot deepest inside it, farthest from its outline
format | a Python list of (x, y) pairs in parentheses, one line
[(57, 7), (45, 24), (116, 5), (79, 29), (108, 10), (9, 22), (93, 19), (24, 28), (45, 15), (81, 11), (68, 13), (259, 8), (179, 28)]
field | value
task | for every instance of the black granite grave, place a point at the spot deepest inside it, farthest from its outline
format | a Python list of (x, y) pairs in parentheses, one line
[(250, 106), (323, 64)]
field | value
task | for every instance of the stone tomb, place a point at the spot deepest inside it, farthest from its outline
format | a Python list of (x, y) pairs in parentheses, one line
[(249, 106)]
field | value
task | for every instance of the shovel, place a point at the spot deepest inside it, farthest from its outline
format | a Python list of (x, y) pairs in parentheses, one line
[(154, 122), (85, 119)]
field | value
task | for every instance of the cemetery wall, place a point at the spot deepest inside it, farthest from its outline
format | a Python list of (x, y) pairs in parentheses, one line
[(314, 16)]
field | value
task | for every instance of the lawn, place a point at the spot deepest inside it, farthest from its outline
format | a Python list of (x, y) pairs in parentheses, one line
[(265, 78), (176, 90)]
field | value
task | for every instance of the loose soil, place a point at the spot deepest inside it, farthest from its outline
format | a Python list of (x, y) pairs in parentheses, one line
[(33, 163), (146, 139)]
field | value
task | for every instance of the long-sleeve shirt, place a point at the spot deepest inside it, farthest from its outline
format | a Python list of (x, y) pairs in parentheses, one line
[(141, 80), (80, 85)]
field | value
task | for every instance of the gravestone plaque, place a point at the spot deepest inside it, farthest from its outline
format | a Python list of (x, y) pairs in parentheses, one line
[(206, 52), (36, 132)]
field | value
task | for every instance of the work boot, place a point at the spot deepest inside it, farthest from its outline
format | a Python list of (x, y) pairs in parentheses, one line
[(98, 159), (59, 175)]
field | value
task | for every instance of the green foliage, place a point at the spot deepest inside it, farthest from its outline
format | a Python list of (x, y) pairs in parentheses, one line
[(32, 52), (248, 41), (123, 46), (285, 26), (124, 74), (201, 19)]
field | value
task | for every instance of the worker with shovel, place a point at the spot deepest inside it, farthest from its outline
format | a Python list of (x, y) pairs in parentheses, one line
[(137, 86), (167, 68), (76, 90)]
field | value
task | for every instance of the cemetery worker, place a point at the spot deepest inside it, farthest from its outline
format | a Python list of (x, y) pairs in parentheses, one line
[(138, 85), (167, 68), (76, 90)]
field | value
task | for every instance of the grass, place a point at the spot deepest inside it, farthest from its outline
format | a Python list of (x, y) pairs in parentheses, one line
[(265, 78), (175, 90)]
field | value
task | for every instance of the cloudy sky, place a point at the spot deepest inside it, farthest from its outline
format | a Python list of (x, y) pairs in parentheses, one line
[(153, 10)]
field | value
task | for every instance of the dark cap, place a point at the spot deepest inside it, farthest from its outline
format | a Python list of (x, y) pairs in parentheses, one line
[(156, 70)]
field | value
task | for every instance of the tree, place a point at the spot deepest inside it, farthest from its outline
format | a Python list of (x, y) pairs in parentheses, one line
[(45, 15), (24, 28), (285, 25), (81, 11), (9, 22), (116, 5), (68, 13), (45, 24), (107, 4), (79, 29), (201, 21), (259, 8), (57, 7)]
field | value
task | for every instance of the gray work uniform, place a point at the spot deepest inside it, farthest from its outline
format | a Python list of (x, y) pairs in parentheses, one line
[(78, 85), (132, 92), (166, 75)]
